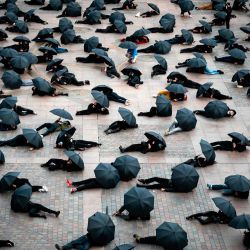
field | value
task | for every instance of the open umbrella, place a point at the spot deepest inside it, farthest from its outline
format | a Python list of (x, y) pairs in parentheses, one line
[(127, 45), (65, 24), (139, 202), (69, 132), (225, 206), (203, 89), (11, 79), (54, 62), (2, 158), (52, 41), (33, 137), (126, 71), (237, 54), (162, 47), (98, 4), (141, 32), (42, 85), (151, 135), (7, 180), (221, 15), (240, 74), (216, 109), (106, 175), (162, 61), (169, 17), (207, 150), (56, 4), (21, 39), (208, 42), (8, 102), (206, 25), (186, 119), (8, 53), (186, 5), (176, 88), (73, 9), (238, 183), (245, 29), (240, 222), (199, 55), (188, 36), (154, 7), (12, 7), (62, 113), (103, 88), (12, 17), (120, 26), (91, 43), (117, 16), (21, 197), (127, 166), (49, 50), (94, 16), (31, 58), (100, 98), (240, 138), (196, 63), (22, 26), (167, 24), (100, 52), (30, 12), (124, 247), (9, 117), (76, 158), (68, 36), (226, 34), (101, 228), (184, 177), (127, 116), (171, 236), (163, 105), (19, 62), (219, 6)]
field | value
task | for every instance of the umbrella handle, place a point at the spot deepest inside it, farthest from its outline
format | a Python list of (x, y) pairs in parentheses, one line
[(107, 210)]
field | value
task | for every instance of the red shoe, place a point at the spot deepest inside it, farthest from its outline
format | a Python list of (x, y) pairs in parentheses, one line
[(69, 183)]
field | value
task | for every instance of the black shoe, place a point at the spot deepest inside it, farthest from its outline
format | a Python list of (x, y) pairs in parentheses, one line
[(58, 247), (142, 181), (57, 213), (140, 114), (121, 149)]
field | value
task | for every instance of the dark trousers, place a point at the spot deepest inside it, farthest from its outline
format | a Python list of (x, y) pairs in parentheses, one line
[(114, 127), (149, 49), (137, 148), (82, 243), (115, 97), (159, 30), (217, 95), (23, 111), (79, 144), (191, 84), (89, 59), (86, 184), (32, 2), (19, 140), (229, 59), (211, 217), (158, 70), (55, 164), (151, 113), (109, 29), (223, 145), (36, 208), (161, 183), (196, 49), (49, 126), (148, 240), (35, 19)]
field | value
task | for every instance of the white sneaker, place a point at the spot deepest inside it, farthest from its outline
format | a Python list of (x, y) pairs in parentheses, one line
[(127, 103), (45, 189), (166, 133), (239, 86), (138, 14)]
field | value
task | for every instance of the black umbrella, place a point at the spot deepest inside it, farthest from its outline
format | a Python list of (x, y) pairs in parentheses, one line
[(120, 26), (54, 62), (8, 53), (100, 98), (199, 55), (117, 16), (3, 34), (49, 50), (127, 116), (186, 5), (225, 206), (240, 138), (245, 29), (240, 222), (2, 158), (186, 119), (9, 117), (127, 45), (171, 236), (238, 183), (226, 34), (124, 247), (21, 39), (21, 197), (11, 16), (33, 137), (176, 88), (237, 54), (151, 135), (221, 15), (19, 62), (208, 42), (108, 61), (167, 25), (103, 88), (196, 63), (203, 89), (32, 59), (68, 36), (139, 202), (7, 180), (94, 16), (76, 158), (162, 61), (30, 12), (188, 36), (73, 9), (8, 102), (101, 228), (162, 47), (12, 7), (62, 113), (91, 43), (169, 17), (42, 85), (11, 79), (106, 175), (240, 74), (216, 109), (220, 6), (127, 166), (58, 74), (52, 41), (68, 132), (65, 24), (22, 26), (56, 4), (207, 150), (126, 71), (163, 105), (154, 7), (141, 32), (100, 52), (98, 4), (184, 178), (206, 25)]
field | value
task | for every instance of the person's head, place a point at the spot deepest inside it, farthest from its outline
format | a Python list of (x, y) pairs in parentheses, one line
[(231, 112)]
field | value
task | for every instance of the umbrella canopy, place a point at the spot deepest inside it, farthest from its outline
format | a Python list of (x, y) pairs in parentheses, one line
[(188, 36), (11, 79), (124, 247), (120, 26), (225, 206), (19, 62), (237, 54), (240, 74), (68, 36), (54, 62), (127, 45), (167, 24), (21, 39), (154, 7), (69, 132), (52, 41), (196, 63), (186, 5), (168, 17), (171, 236), (240, 222), (12, 7), (127, 116), (127, 166), (56, 4), (9, 117), (226, 34), (126, 71), (208, 42), (100, 52), (100, 98), (73, 9), (91, 43), (62, 113), (240, 138), (139, 202), (22, 26), (31, 58), (216, 109), (103, 88), (199, 55), (176, 88), (33, 137), (12, 17), (206, 25), (21, 197), (76, 158), (106, 175), (184, 177), (49, 50), (98, 4), (2, 158), (7, 180), (207, 150), (8, 53), (94, 16), (162, 47), (162, 61), (203, 89), (30, 12), (45, 32), (8, 102), (151, 135), (117, 16), (42, 85), (219, 6), (65, 24), (245, 29), (141, 32), (186, 119), (221, 15), (238, 183), (101, 228), (163, 105)]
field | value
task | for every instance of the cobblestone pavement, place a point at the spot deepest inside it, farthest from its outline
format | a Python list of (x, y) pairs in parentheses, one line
[(39, 234)]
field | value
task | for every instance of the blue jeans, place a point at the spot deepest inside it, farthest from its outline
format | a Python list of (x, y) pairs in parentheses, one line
[(61, 50)]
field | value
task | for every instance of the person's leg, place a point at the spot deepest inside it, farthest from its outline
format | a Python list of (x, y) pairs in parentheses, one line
[(84, 112), (149, 49), (40, 207), (36, 188), (218, 186), (81, 241), (188, 50), (191, 84), (175, 130), (45, 125), (155, 179), (217, 95), (152, 186), (148, 240), (92, 183), (86, 144), (151, 113), (50, 130), (227, 59), (116, 98), (26, 111), (223, 145), (135, 148)]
